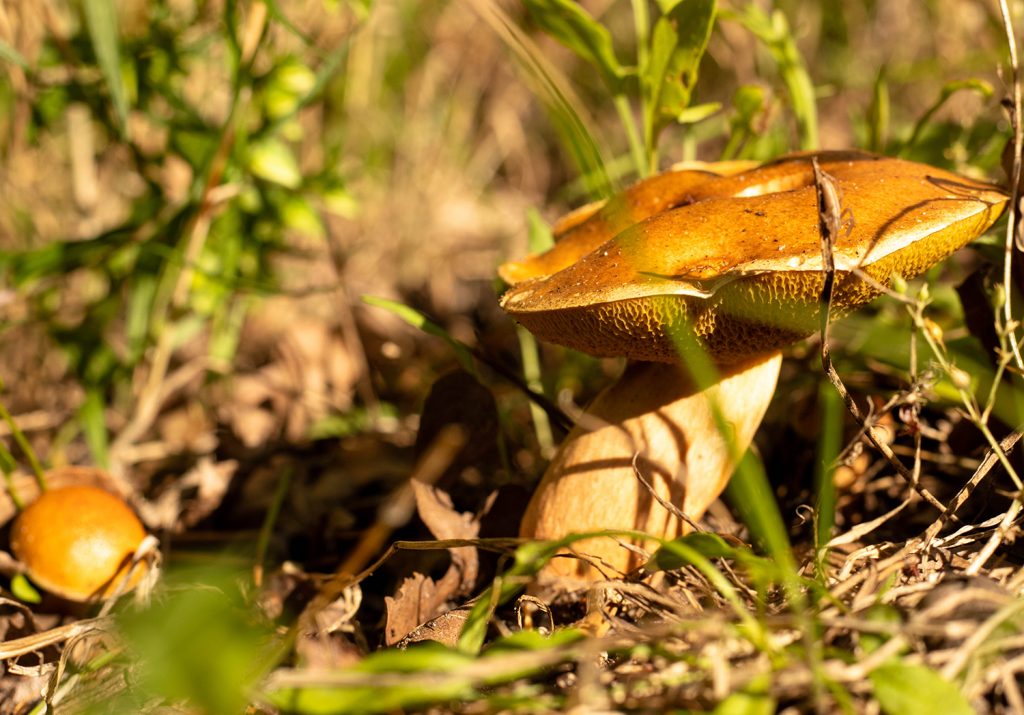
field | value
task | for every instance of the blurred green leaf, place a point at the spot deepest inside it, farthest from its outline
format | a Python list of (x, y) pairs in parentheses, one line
[(677, 45), (711, 546), (288, 85), (92, 416), (272, 160), (908, 689), (9, 54), (298, 214), (421, 657), (295, 77), (574, 27), (396, 696), (698, 113), (878, 113), (340, 202), (748, 104), (531, 640), (199, 642), (23, 589), (978, 86), (101, 19), (538, 232), (747, 703)]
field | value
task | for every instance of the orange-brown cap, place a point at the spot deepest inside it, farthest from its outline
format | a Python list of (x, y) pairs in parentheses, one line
[(77, 541), (740, 264)]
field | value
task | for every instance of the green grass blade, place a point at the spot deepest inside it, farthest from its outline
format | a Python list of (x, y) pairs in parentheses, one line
[(550, 87), (94, 427), (101, 20), (751, 495), (529, 353), (878, 114), (979, 86), (416, 319), (829, 444), (574, 27)]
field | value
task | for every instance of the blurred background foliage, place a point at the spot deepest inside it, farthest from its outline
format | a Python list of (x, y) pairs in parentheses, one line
[(170, 167)]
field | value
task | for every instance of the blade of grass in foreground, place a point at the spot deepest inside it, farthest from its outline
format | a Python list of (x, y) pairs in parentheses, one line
[(831, 407), (101, 19)]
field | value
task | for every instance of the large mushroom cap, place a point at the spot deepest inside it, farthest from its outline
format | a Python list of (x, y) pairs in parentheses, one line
[(739, 262)]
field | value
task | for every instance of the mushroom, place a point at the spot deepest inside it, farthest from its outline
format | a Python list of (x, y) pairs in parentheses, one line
[(734, 261), (77, 542)]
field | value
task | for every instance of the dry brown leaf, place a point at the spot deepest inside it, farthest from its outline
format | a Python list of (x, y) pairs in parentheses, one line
[(419, 599), (327, 651), (415, 601), (444, 629), (435, 509), (310, 375), (173, 510), (187, 429)]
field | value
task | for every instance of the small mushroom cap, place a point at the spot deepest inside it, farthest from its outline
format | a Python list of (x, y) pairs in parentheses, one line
[(741, 265), (76, 542)]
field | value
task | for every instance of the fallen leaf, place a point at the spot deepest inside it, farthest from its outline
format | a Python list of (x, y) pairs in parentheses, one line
[(415, 601), (435, 509), (420, 599), (444, 629)]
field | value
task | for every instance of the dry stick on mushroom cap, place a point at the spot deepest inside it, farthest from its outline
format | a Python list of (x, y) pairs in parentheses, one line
[(742, 264), (830, 214)]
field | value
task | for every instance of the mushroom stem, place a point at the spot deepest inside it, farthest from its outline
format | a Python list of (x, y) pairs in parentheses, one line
[(653, 417)]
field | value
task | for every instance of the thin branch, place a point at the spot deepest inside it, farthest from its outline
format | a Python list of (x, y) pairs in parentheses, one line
[(990, 460)]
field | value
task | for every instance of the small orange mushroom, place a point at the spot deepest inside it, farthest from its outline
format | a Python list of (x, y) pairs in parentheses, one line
[(735, 261), (77, 542)]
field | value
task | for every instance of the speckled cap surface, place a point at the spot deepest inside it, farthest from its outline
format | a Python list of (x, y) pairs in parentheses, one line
[(736, 258)]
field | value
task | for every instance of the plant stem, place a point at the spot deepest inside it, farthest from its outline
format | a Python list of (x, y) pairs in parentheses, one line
[(644, 157), (531, 374), (1014, 178), (26, 449), (636, 146)]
